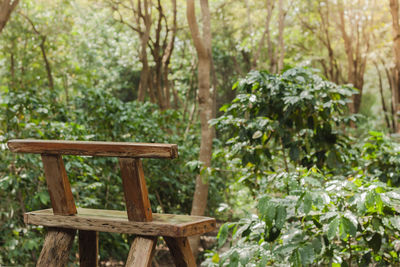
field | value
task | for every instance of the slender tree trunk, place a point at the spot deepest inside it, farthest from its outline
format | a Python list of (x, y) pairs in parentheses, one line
[(166, 60), (203, 49), (144, 84), (6, 7), (156, 51), (266, 33), (271, 57), (390, 78), (281, 26), (356, 60), (12, 69), (394, 10), (47, 63), (385, 112), (325, 19), (43, 50)]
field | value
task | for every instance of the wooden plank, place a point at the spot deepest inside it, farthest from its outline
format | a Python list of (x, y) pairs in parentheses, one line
[(107, 149), (58, 185), (117, 222), (135, 190), (181, 251), (141, 252), (56, 247), (88, 248)]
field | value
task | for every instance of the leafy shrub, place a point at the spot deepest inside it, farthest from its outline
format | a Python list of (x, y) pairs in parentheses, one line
[(382, 158), (321, 199), (337, 221), (293, 119)]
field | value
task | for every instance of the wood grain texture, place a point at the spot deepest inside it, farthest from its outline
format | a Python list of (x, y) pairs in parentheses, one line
[(181, 251), (88, 248), (58, 185), (56, 247), (141, 252), (117, 222), (135, 190), (107, 149)]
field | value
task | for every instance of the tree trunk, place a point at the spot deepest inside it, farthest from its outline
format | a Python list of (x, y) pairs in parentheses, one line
[(281, 26), (266, 33), (390, 78), (144, 84), (271, 57), (203, 49), (394, 10), (166, 59), (385, 111), (356, 60), (47, 63), (6, 7), (43, 50)]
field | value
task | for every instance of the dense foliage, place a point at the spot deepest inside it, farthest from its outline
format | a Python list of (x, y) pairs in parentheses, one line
[(331, 201)]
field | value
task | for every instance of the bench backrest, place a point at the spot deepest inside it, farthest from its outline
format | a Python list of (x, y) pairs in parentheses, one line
[(106, 149)]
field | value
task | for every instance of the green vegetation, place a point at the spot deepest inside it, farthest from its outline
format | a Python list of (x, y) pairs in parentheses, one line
[(323, 198), (303, 136)]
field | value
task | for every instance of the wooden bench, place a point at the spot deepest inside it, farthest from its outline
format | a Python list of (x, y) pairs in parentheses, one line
[(64, 218)]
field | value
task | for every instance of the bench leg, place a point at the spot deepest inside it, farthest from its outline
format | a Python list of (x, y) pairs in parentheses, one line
[(88, 248), (56, 247), (180, 250), (141, 252)]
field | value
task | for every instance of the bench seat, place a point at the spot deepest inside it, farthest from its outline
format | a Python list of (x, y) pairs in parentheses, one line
[(116, 221)]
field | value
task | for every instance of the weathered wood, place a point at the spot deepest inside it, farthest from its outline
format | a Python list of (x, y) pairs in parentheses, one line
[(135, 190), (56, 247), (107, 149), (141, 252), (88, 248), (138, 219), (117, 222), (181, 251), (58, 241), (58, 185)]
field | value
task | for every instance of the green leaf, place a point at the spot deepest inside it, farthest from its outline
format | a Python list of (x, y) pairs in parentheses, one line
[(263, 204), (224, 108), (234, 259), (280, 216), (333, 228), (270, 214), (348, 227), (285, 249), (44, 197), (215, 258), (307, 255), (294, 153), (223, 234), (307, 202), (395, 221), (370, 200), (295, 259), (352, 219), (235, 85), (375, 242), (257, 134)]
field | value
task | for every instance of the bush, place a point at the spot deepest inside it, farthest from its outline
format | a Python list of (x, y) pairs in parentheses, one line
[(321, 199)]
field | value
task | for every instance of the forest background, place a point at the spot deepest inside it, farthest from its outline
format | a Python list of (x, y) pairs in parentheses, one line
[(300, 158)]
